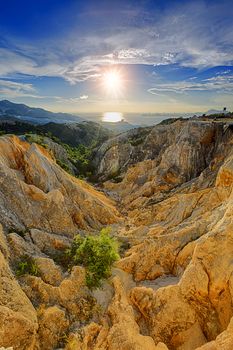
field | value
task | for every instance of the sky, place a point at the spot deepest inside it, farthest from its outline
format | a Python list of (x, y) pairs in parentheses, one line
[(164, 55)]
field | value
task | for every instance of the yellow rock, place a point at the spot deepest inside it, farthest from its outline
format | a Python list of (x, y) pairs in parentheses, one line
[(39, 194), (18, 320)]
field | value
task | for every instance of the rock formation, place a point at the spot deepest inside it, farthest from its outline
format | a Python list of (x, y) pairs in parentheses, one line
[(173, 287), (36, 193)]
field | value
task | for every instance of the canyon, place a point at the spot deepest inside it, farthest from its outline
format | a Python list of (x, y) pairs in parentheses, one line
[(166, 193)]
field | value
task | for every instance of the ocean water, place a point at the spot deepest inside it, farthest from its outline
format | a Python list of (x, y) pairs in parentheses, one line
[(139, 119)]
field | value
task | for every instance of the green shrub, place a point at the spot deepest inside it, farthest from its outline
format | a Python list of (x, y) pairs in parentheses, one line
[(19, 232), (136, 141), (124, 246), (97, 254), (27, 265), (34, 138), (63, 165)]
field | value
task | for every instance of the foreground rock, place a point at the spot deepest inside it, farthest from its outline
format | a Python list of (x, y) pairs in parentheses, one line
[(18, 320), (122, 332)]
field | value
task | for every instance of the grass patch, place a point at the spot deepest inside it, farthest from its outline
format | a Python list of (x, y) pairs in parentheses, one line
[(27, 266)]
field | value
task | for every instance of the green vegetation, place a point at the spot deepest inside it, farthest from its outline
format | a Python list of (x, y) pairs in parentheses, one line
[(115, 176), (79, 156), (169, 121), (63, 165), (79, 142), (34, 138), (124, 246), (136, 141), (19, 232), (96, 253), (27, 265)]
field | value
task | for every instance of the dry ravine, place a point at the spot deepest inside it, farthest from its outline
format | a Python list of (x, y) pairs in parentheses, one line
[(167, 193)]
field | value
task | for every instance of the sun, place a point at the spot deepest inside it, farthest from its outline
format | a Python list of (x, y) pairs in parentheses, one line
[(113, 82)]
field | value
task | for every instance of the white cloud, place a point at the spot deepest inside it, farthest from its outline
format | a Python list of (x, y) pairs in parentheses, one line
[(190, 35), (16, 86), (83, 97), (15, 89), (220, 83)]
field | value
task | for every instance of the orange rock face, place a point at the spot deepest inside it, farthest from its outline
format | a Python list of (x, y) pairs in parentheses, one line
[(172, 288), (39, 194)]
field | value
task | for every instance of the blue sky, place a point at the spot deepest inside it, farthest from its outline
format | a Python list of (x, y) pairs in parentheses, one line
[(172, 56)]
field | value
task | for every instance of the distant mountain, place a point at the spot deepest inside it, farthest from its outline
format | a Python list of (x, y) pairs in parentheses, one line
[(34, 115), (15, 111)]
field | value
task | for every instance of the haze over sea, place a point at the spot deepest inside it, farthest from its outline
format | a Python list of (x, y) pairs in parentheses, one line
[(140, 118)]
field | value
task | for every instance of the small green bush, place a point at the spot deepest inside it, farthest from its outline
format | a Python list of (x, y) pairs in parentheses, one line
[(97, 254), (27, 265), (19, 232)]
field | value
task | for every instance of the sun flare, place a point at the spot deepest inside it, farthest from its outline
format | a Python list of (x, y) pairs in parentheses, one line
[(113, 82)]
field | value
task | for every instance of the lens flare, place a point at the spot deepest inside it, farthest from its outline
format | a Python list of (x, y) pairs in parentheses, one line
[(113, 82)]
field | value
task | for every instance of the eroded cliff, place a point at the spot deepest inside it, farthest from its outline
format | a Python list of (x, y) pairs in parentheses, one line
[(172, 289)]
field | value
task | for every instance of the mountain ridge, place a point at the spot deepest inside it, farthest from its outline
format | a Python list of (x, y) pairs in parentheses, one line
[(34, 114)]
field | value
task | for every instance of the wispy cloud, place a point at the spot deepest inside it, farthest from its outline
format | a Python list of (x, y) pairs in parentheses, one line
[(12, 89), (15, 89), (220, 83), (191, 35)]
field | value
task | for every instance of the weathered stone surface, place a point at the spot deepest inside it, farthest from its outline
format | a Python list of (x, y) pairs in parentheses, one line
[(181, 150), (52, 327), (49, 272), (177, 193), (39, 194), (223, 342), (18, 321), (201, 304), (49, 243), (19, 247), (70, 295), (122, 332)]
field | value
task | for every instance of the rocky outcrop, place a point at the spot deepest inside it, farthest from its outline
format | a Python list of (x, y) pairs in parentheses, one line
[(120, 332), (172, 289), (37, 193), (223, 342), (200, 306), (18, 321), (184, 156), (59, 152), (189, 235), (182, 149), (52, 327)]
